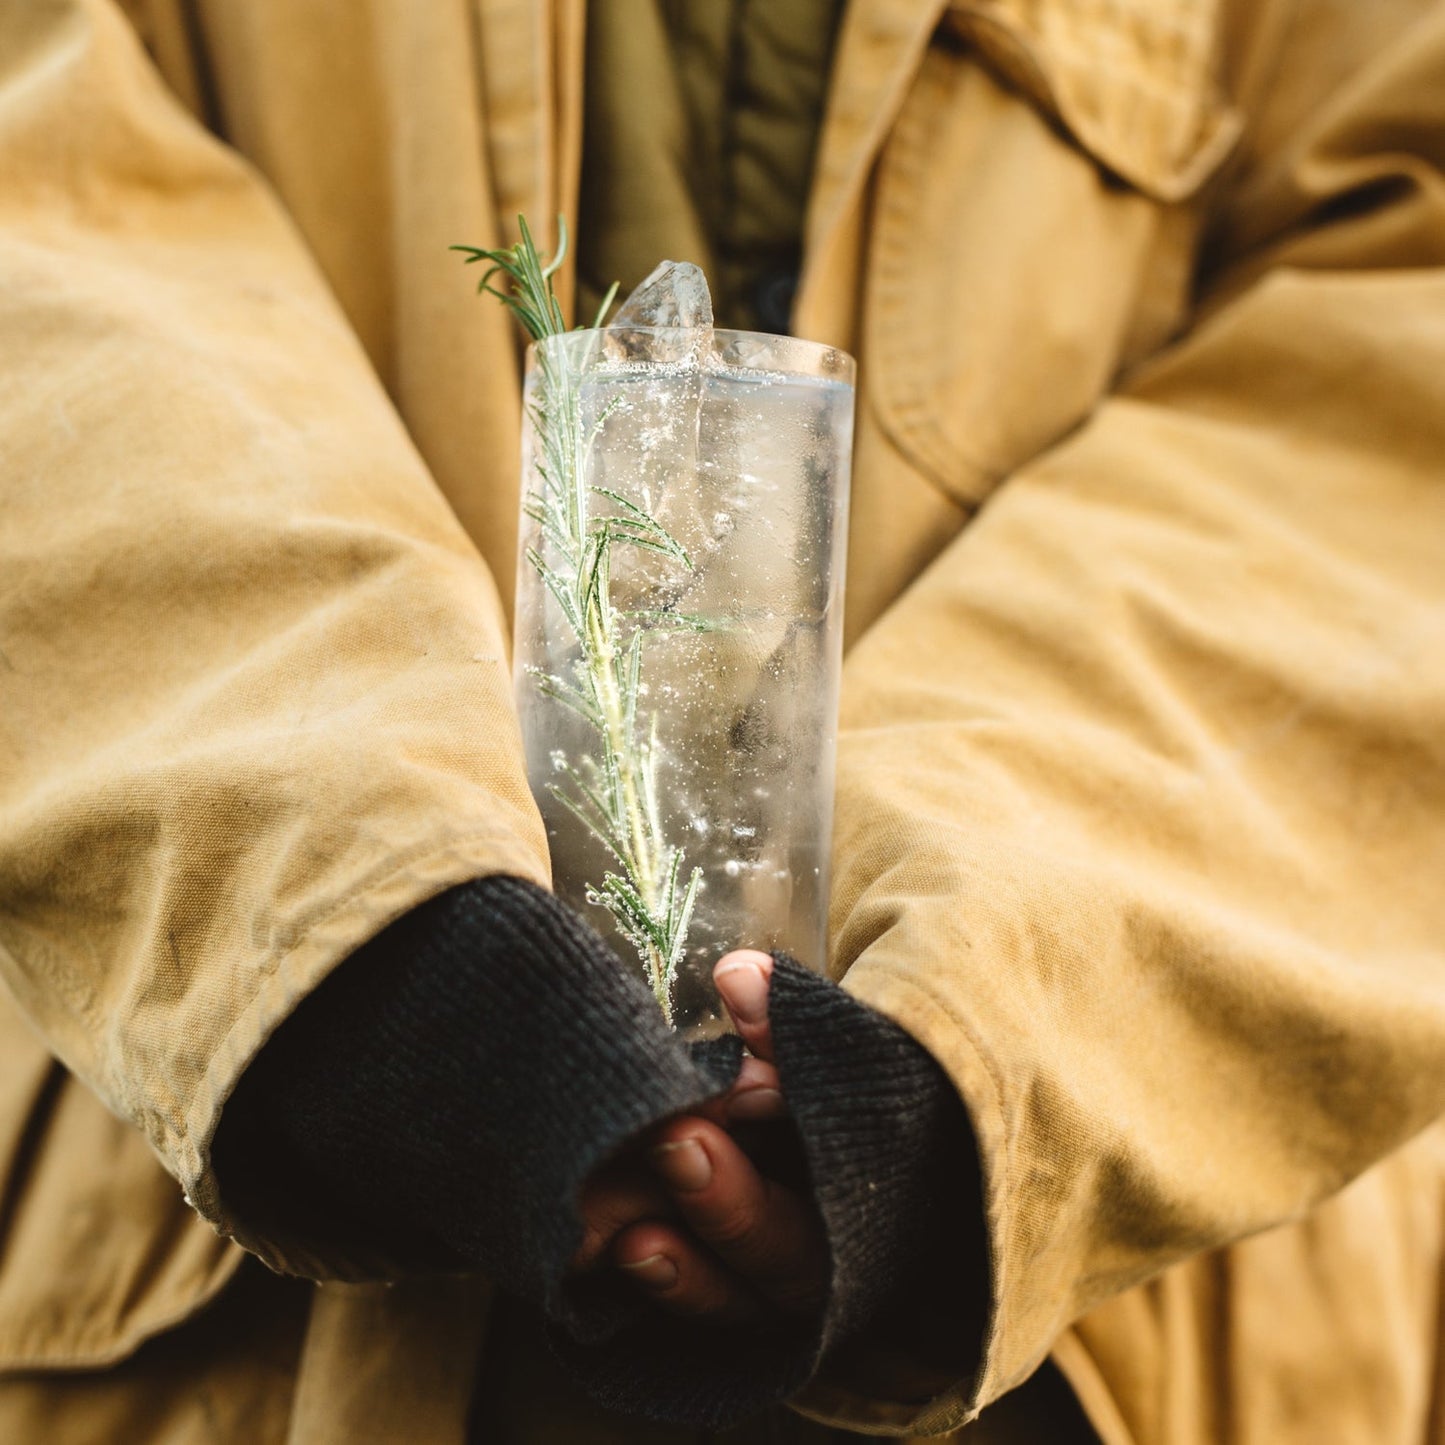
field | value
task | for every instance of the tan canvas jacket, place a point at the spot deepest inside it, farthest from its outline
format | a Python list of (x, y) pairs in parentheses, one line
[(1141, 815)]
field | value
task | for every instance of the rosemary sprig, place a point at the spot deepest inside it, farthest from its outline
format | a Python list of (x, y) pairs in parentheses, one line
[(614, 794)]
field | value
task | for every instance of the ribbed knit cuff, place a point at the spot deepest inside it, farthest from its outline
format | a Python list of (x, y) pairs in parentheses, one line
[(439, 1100), (894, 1173)]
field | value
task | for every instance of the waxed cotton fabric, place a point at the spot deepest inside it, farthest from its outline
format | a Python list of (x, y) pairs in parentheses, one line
[(1141, 790)]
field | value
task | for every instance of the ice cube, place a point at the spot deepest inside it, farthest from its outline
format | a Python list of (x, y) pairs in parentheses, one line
[(675, 294)]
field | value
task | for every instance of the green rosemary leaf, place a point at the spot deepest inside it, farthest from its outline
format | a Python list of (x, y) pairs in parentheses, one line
[(569, 697), (616, 788), (632, 681), (637, 515), (606, 305), (560, 541), (596, 800), (634, 517), (620, 532), (574, 807), (669, 901), (630, 919), (596, 591), (641, 917), (681, 926), (558, 588), (663, 620), (626, 903)]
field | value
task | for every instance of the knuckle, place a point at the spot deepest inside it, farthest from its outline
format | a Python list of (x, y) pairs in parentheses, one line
[(733, 1226)]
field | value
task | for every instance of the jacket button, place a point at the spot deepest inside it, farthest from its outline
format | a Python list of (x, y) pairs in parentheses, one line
[(773, 300)]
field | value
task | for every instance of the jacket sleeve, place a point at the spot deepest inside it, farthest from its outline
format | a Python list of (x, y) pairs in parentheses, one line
[(254, 699), (1142, 785)]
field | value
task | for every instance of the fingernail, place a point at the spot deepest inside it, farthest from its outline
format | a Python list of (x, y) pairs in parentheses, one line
[(756, 1104), (744, 987), (683, 1165), (657, 1271)]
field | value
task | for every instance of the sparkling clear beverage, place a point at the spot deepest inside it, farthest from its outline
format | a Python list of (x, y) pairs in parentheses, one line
[(723, 646)]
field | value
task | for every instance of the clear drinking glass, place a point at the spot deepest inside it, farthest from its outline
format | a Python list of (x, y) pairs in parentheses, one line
[(679, 638)]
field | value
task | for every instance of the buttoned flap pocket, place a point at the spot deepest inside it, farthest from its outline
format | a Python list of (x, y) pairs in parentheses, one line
[(1133, 81), (98, 1249), (1035, 222)]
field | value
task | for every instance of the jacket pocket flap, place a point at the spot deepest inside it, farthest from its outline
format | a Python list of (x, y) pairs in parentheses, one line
[(1133, 81)]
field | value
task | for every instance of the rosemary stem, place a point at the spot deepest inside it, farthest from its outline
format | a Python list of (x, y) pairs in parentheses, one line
[(645, 903), (644, 862), (601, 660)]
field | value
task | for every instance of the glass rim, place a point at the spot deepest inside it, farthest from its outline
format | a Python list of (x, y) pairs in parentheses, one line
[(787, 355)]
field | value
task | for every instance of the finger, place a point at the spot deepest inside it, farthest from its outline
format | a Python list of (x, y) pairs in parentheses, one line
[(742, 979), (672, 1270), (755, 1096), (767, 1233), (613, 1199)]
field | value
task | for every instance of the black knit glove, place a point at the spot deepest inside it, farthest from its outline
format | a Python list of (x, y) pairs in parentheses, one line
[(439, 1100), (889, 1151)]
